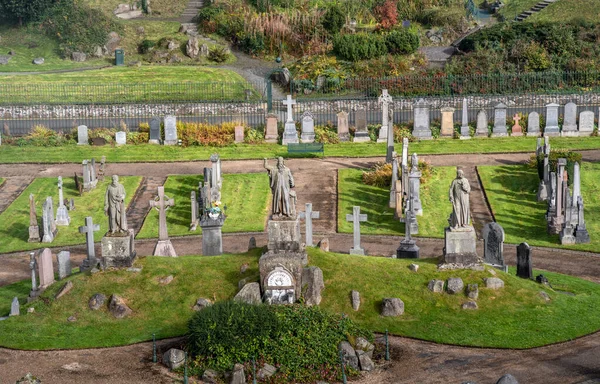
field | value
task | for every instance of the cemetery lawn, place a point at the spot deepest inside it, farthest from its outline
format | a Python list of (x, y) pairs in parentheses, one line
[(374, 202), (513, 317), (14, 221), (246, 197), (511, 192), (141, 153), (568, 11)]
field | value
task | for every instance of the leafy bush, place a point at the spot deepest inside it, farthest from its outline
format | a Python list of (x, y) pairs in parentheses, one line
[(41, 136), (77, 26), (401, 41), (359, 46), (23, 10), (107, 134), (386, 14), (218, 55), (206, 134), (326, 134), (253, 44), (380, 175), (137, 137), (146, 46), (254, 135), (300, 341), (572, 158), (334, 19)]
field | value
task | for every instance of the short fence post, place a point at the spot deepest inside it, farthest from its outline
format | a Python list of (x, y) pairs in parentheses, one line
[(253, 371), (154, 348), (387, 347), (269, 95), (343, 370), (185, 371)]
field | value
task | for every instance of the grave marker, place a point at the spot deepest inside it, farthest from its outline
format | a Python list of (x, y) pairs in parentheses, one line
[(465, 131), (447, 128), (121, 138), (360, 121), (385, 100), (239, 134), (516, 128), (569, 127), (45, 268), (62, 214), (170, 123), (63, 259), (533, 124), (356, 218), (309, 214), (48, 223), (586, 123), (421, 129), (290, 135), (88, 229), (493, 244), (551, 128), (154, 131), (34, 229), (524, 268), (499, 121), (271, 134), (482, 124), (162, 203), (342, 126), (82, 135), (15, 307)]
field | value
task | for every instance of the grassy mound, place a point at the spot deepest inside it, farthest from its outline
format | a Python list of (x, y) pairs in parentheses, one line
[(374, 202), (512, 193), (14, 221), (514, 317), (246, 197)]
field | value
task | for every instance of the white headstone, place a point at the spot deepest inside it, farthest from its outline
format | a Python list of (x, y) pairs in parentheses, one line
[(482, 124), (569, 127), (82, 135), (63, 259), (421, 129), (121, 138), (499, 121), (551, 128), (290, 135), (46, 270), (533, 124), (170, 130), (308, 128), (586, 123)]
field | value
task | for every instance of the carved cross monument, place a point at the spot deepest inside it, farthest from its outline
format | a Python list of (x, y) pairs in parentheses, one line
[(89, 228), (309, 214), (162, 203), (356, 217)]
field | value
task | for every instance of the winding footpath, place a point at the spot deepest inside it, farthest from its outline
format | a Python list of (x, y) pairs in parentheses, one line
[(414, 361)]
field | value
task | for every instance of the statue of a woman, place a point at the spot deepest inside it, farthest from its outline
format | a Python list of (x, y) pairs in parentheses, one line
[(459, 197)]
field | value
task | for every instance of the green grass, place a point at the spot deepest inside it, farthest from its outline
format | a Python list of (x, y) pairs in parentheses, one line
[(569, 11), (513, 8), (511, 191), (122, 84), (514, 317), (14, 221), (246, 197), (140, 153), (2, 180), (160, 8), (374, 202)]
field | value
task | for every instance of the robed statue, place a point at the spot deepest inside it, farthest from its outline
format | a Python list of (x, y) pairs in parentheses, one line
[(459, 197), (114, 206), (282, 182)]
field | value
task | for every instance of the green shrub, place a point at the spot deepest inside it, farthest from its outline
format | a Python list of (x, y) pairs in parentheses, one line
[(218, 55), (326, 134), (572, 158), (380, 175), (302, 342), (334, 19), (107, 134), (146, 46), (77, 26), (401, 41), (253, 44), (254, 135), (359, 46)]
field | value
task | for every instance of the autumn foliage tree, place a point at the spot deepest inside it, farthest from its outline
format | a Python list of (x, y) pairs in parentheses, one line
[(386, 13)]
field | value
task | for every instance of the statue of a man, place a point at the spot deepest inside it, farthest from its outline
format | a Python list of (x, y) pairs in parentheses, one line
[(114, 206), (459, 197), (282, 182)]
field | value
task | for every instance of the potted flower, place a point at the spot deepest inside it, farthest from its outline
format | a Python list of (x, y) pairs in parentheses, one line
[(215, 211)]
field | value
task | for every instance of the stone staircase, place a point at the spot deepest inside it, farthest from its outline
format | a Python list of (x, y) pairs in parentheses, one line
[(536, 8), (192, 10)]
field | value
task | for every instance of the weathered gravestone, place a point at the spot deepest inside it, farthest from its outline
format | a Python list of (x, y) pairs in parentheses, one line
[(309, 214), (581, 234), (385, 99), (447, 127), (493, 244), (48, 223), (34, 229), (516, 129), (308, 128), (121, 138), (63, 259), (408, 248), (356, 218), (239, 134), (360, 122), (586, 123), (15, 307), (569, 127), (88, 229), (551, 128), (499, 121), (170, 124), (421, 129), (46, 270), (154, 131), (290, 135), (194, 211), (163, 247), (482, 124), (82, 135), (465, 131), (414, 184), (342, 126), (62, 214), (524, 268), (533, 124), (271, 134), (279, 287)]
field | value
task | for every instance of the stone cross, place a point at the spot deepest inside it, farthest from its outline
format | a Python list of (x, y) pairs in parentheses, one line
[(516, 128), (385, 100), (33, 267), (162, 203), (89, 228), (289, 102), (356, 217), (309, 214)]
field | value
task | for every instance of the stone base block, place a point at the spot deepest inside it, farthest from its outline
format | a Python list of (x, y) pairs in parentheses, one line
[(569, 131), (164, 248), (290, 135), (408, 250), (460, 247), (118, 251), (551, 131), (34, 234), (344, 136), (272, 139), (212, 236), (542, 194), (482, 133), (361, 137), (499, 134), (153, 141), (89, 264), (284, 235), (532, 134), (357, 251), (582, 236), (62, 216), (423, 134), (170, 142), (465, 137), (555, 225), (516, 134), (292, 262), (307, 137)]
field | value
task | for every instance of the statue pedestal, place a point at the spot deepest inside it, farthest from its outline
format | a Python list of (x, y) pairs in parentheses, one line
[(284, 235), (408, 250), (118, 250), (290, 135), (212, 238), (34, 234), (89, 264), (460, 247)]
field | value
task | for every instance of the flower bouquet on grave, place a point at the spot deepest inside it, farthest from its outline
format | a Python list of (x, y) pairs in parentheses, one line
[(215, 210)]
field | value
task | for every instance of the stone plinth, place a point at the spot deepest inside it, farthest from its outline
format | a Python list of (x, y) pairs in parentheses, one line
[(212, 238), (408, 250), (290, 135), (118, 250), (271, 134), (460, 247), (284, 235), (34, 234), (164, 248), (291, 261)]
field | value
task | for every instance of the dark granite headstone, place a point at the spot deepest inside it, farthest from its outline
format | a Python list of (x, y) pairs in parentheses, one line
[(524, 269)]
